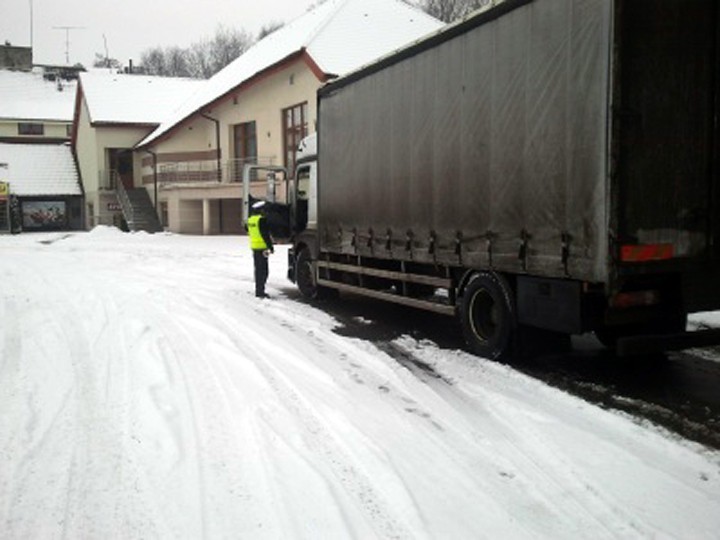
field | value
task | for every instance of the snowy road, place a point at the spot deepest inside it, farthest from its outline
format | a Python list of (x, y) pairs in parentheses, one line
[(144, 392)]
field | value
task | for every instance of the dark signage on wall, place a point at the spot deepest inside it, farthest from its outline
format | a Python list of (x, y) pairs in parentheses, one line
[(44, 214)]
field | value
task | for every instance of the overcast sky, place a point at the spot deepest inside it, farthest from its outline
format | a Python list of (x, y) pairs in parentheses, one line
[(130, 26)]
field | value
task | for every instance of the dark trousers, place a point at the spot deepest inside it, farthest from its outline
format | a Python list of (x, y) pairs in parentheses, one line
[(261, 272)]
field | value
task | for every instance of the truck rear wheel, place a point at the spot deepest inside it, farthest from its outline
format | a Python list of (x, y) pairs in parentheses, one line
[(488, 316)]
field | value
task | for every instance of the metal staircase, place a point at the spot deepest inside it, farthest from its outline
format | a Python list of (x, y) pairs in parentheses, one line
[(137, 209)]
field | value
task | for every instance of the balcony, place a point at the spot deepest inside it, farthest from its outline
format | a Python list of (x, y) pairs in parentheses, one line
[(206, 172)]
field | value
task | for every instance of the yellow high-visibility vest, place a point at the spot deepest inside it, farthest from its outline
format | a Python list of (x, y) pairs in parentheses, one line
[(257, 242)]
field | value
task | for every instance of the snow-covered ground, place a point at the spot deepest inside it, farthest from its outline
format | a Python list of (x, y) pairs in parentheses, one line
[(146, 393)]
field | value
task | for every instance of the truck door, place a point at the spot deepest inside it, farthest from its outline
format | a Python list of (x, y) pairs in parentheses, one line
[(667, 128), (306, 197)]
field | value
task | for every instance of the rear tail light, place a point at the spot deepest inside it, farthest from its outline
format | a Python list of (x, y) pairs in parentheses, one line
[(646, 252), (635, 299)]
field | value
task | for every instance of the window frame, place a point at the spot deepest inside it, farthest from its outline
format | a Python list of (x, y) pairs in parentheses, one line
[(245, 134), (293, 132), (31, 129)]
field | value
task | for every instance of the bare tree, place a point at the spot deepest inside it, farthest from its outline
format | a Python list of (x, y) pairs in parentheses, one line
[(102, 61), (201, 60), (227, 45), (269, 28), (153, 61), (451, 10), (177, 62)]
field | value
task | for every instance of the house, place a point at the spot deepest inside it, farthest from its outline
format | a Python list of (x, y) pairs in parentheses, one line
[(43, 180), (37, 171), (112, 113), (35, 108), (259, 107)]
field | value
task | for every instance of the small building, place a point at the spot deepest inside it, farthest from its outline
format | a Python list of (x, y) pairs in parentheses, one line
[(16, 58), (36, 161), (43, 179), (257, 109), (112, 113), (34, 108)]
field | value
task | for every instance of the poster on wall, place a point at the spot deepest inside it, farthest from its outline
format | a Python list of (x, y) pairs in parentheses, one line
[(44, 214)]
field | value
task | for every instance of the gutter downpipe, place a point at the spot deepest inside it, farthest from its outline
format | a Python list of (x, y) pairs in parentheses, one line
[(217, 143)]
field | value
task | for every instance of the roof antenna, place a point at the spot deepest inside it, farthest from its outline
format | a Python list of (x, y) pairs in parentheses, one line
[(31, 25), (107, 54), (67, 39)]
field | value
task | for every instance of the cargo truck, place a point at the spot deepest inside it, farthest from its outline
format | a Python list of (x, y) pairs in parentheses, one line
[(539, 169)]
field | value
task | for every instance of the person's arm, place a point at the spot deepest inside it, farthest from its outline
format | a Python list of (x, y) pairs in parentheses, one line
[(265, 232)]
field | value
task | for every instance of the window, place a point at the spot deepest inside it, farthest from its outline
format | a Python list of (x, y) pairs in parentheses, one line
[(25, 128), (303, 181), (295, 128), (245, 148), (246, 142)]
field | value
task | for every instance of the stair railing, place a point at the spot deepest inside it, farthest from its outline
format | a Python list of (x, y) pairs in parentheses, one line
[(123, 199)]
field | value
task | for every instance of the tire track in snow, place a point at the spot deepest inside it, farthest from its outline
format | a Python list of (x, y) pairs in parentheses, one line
[(354, 481), (223, 471), (521, 458), (101, 459), (182, 347), (322, 441), (25, 448), (12, 343), (82, 447)]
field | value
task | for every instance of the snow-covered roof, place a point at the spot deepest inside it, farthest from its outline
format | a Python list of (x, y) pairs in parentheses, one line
[(28, 96), (39, 169), (339, 36), (134, 99)]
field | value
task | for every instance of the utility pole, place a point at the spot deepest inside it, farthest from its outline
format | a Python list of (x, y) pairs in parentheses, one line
[(67, 39), (31, 25)]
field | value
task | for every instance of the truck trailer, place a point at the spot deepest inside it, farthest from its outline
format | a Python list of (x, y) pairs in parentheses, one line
[(540, 168)]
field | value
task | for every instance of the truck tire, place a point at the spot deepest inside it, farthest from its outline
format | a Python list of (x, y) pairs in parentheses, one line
[(305, 277), (488, 316)]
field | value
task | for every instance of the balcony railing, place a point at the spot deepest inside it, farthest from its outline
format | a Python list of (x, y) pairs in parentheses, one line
[(108, 180), (205, 172)]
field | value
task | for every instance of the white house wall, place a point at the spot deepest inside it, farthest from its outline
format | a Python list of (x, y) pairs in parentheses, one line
[(91, 145), (195, 141), (52, 129), (120, 136), (85, 151), (264, 103)]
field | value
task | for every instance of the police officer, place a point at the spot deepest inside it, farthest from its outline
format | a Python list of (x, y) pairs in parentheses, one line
[(261, 245)]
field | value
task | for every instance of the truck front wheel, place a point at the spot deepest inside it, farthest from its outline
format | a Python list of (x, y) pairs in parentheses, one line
[(488, 316), (305, 277)]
